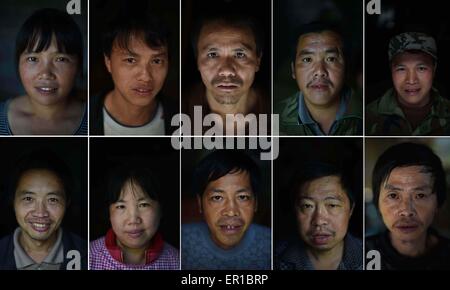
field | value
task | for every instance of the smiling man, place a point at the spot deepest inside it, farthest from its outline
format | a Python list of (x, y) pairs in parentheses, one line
[(136, 54), (409, 187), (227, 184), (413, 106), (323, 207), (41, 193), (323, 105)]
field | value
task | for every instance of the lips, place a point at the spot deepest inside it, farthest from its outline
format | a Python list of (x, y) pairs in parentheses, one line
[(227, 86), (46, 90), (135, 234), (40, 226), (230, 229), (143, 91), (319, 84), (407, 227), (321, 238), (412, 91)]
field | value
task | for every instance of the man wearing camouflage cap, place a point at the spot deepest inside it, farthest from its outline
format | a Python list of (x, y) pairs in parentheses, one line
[(413, 106)]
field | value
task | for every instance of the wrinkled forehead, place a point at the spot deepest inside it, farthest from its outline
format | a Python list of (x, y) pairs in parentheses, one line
[(323, 39), (322, 188), (220, 31)]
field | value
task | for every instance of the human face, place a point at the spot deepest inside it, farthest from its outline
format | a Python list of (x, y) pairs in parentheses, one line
[(138, 73), (227, 62), (48, 76), (39, 204), (228, 206), (323, 213), (134, 217), (319, 68), (412, 75), (407, 202)]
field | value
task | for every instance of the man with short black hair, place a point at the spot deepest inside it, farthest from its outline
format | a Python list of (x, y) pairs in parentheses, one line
[(409, 187), (324, 105), (227, 184), (136, 54), (323, 206)]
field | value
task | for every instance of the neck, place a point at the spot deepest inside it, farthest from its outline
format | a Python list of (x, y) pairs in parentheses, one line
[(426, 100), (413, 247), (127, 113), (324, 115), (242, 106), (326, 259), (49, 112), (36, 249), (132, 256)]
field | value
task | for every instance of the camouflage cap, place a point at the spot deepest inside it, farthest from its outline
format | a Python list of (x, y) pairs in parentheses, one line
[(412, 41)]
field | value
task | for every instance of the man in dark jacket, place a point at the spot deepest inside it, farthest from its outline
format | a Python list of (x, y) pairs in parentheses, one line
[(40, 192)]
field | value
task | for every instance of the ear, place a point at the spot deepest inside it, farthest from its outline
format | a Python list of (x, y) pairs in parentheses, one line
[(351, 210), (292, 70), (107, 63), (258, 62), (199, 203)]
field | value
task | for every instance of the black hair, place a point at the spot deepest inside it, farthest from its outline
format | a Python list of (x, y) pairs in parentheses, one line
[(138, 24), (316, 27), (36, 34), (409, 154), (313, 170), (139, 175), (42, 159), (222, 162), (233, 20)]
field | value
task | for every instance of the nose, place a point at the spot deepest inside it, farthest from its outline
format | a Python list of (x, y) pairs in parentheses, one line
[(40, 210), (46, 71), (133, 216), (231, 208), (320, 217), (411, 77), (407, 208), (227, 67), (145, 73), (320, 70)]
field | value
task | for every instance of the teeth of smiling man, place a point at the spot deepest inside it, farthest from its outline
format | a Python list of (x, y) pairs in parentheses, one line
[(47, 89), (39, 225)]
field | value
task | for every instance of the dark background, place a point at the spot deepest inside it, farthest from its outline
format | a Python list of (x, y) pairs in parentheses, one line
[(397, 16), (161, 159), (102, 12), (192, 10), (73, 151), (190, 211), (345, 152), (289, 15), (13, 14)]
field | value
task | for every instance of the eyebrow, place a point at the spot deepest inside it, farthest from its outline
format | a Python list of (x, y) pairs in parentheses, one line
[(140, 199), (326, 198), (25, 192), (394, 188), (307, 51), (242, 47)]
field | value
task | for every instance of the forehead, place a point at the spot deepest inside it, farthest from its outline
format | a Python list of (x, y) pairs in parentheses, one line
[(323, 39), (323, 187), (418, 57), (40, 181), (136, 45), (231, 182), (222, 34), (409, 176)]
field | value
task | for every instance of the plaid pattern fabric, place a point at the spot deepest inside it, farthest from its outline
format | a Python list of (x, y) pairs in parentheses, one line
[(292, 255), (100, 259)]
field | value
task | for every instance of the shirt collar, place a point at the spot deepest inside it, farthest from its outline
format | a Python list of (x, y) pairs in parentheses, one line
[(152, 253), (23, 260)]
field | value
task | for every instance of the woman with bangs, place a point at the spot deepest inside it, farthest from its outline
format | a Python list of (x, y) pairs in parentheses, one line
[(49, 59), (134, 241)]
